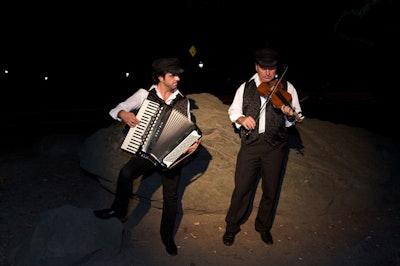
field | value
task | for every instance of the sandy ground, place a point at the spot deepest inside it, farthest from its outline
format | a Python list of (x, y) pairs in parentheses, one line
[(35, 179)]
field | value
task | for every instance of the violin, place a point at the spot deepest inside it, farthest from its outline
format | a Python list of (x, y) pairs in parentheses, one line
[(273, 89), (277, 95)]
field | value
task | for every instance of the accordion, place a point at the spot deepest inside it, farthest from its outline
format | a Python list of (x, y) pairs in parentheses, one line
[(162, 136)]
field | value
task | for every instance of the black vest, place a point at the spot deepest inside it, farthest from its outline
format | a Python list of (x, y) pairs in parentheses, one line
[(275, 129), (180, 103)]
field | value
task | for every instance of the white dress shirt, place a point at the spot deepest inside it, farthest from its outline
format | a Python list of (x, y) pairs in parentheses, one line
[(136, 100)]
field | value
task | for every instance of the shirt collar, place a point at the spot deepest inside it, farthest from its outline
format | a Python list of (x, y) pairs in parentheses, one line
[(256, 79)]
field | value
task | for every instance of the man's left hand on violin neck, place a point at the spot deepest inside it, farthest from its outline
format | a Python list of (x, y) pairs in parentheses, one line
[(287, 110)]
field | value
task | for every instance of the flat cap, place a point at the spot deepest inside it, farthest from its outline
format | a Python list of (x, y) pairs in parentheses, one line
[(266, 57), (171, 65)]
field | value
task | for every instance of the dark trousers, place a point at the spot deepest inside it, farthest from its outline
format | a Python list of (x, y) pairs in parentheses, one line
[(254, 160), (133, 169)]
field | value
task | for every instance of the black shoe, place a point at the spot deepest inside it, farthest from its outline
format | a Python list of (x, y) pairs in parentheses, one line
[(171, 248), (229, 238), (266, 237), (109, 213)]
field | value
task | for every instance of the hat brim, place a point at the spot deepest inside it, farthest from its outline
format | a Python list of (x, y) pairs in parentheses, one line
[(174, 70), (267, 64)]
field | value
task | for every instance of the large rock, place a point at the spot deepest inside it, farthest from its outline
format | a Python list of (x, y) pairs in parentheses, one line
[(69, 236), (207, 180)]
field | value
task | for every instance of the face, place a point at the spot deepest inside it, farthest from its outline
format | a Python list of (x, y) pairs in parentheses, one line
[(170, 80), (266, 74)]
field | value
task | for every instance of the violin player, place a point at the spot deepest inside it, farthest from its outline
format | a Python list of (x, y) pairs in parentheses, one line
[(264, 140)]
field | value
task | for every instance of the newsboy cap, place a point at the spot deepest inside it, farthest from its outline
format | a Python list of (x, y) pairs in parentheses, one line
[(267, 57), (167, 65)]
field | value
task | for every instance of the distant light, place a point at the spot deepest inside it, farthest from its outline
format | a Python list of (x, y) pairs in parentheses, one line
[(6, 71), (201, 65), (46, 78), (127, 74)]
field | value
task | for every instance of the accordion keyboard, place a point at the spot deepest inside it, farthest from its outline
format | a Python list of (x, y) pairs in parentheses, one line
[(134, 138)]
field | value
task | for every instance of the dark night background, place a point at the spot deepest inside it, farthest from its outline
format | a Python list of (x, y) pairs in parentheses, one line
[(341, 56)]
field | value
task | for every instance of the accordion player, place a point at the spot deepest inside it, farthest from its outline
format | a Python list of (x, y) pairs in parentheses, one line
[(162, 136)]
